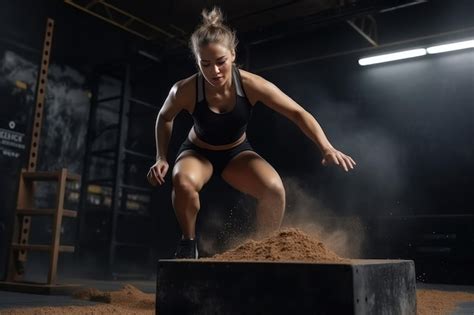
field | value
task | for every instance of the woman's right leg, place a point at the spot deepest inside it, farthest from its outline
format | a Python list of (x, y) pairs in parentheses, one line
[(190, 173)]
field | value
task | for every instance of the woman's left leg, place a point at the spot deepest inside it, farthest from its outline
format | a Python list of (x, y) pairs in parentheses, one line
[(249, 173)]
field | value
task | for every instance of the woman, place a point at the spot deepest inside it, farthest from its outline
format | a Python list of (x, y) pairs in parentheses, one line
[(220, 99)]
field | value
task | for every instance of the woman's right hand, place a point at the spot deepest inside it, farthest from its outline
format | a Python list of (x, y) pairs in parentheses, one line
[(156, 174)]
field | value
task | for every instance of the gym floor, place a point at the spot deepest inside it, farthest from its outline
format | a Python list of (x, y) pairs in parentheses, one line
[(16, 301)]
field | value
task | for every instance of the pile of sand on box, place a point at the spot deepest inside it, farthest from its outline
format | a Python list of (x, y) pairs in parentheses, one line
[(435, 302), (286, 245)]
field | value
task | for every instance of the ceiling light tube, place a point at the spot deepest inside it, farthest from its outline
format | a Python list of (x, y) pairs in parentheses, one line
[(450, 47), (393, 56)]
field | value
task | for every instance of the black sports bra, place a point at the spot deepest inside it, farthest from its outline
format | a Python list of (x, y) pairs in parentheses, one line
[(221, 128)]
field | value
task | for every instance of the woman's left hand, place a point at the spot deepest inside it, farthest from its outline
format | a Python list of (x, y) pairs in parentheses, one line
[(333, 156)]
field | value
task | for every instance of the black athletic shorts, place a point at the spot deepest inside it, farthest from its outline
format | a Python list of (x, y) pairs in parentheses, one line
[(218, 158)]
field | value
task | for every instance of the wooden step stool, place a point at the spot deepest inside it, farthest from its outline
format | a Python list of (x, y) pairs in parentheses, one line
[(20, 245)]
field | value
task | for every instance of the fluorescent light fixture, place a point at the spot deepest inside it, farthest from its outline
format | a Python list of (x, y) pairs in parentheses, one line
[(450, 47), (393, 56)]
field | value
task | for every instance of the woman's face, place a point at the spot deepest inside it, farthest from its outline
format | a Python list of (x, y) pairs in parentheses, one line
[(215, 61)]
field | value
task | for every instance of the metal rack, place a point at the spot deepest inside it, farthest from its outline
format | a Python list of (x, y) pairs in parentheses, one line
[(118, 200)]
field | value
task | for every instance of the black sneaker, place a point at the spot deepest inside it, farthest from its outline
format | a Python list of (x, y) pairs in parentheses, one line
[(187, 249)]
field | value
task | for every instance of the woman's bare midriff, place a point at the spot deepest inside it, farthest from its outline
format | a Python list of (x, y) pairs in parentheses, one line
[(192, 136)]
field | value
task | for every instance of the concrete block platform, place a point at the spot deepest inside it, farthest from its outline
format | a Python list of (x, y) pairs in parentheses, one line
[(250, 287)]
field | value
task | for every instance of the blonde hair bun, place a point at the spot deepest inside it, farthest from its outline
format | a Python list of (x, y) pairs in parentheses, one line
[(213, 17)]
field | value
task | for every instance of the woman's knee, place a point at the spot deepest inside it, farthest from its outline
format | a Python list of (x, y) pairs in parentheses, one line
[(274, 190), (184, 183)]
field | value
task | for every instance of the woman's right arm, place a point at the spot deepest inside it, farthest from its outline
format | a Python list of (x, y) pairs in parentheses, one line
[(174, 103), (164, 124)]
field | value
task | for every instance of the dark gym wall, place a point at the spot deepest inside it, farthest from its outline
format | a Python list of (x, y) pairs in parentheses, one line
[(19, 57), (404, 123)]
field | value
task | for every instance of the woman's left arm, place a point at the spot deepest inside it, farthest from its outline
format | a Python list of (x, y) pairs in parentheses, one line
[(273, 97)]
